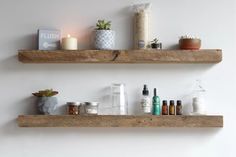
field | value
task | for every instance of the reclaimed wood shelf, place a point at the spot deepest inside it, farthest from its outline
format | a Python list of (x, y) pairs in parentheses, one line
[(119, 121), (121, 56)]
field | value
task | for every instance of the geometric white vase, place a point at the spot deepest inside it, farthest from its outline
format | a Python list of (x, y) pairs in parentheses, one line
[(104, 39)]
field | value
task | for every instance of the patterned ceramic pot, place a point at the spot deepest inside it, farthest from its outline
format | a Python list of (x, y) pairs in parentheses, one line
[(104, 39)]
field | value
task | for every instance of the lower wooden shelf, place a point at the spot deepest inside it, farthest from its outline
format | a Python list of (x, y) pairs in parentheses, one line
[(119, 121)]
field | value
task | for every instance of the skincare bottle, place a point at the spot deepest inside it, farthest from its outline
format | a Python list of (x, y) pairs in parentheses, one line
[(146, 106), (156, 104)]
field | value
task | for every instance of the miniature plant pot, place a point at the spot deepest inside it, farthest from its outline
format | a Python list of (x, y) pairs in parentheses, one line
[(156, 45), (189, 44), (47, 105), (104, 39)]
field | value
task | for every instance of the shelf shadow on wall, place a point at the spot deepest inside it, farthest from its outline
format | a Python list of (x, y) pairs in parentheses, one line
[(11, 64), (10, 128)]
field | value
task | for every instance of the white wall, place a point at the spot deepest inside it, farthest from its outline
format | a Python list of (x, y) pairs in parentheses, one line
[(212, 20)]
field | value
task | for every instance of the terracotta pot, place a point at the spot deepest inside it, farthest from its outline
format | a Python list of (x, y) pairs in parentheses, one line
[(189, 44)]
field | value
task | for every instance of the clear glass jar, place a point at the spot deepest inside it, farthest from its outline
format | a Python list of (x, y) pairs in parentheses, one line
[(73, 108), (119, 99), (91, 108), (198, 98)]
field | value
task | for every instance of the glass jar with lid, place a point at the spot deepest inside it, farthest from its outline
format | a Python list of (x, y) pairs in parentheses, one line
[(73, 108), (91, 108)]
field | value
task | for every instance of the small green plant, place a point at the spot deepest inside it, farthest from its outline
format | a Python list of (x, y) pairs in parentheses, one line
[(45, 93), (154, 41), (103, 25)]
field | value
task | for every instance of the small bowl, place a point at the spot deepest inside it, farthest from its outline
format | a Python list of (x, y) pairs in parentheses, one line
[(189, 44)]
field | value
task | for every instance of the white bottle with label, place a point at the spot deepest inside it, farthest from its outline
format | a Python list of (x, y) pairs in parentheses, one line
[(146, 106)]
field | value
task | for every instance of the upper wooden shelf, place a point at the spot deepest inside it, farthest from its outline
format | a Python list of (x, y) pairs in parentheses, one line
[(119, 121), (121, 56)]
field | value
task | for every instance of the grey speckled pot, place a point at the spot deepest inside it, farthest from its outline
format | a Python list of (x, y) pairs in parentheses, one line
[(47, 105), (104, 39)]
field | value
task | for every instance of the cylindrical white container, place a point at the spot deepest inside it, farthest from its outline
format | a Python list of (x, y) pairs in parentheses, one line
[(141, 29), (69, 43), (198, 105)]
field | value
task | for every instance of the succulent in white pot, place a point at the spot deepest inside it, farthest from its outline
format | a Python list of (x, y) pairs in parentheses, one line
[(104, 36)]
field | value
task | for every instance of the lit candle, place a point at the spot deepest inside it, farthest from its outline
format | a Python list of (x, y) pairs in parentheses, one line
[(69, 43)]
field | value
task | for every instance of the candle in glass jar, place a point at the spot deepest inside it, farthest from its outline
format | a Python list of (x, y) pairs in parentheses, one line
[(69, 43)]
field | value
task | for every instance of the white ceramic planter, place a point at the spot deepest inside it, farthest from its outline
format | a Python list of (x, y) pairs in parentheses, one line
[(104, 39)]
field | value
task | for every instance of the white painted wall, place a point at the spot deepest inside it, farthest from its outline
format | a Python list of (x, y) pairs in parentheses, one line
[(212, 20)]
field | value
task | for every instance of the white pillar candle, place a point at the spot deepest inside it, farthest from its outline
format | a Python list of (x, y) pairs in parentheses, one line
[(69, 43)]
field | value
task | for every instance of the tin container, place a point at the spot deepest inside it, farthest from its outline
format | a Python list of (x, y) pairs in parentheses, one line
[(91, 108), (73, 108)]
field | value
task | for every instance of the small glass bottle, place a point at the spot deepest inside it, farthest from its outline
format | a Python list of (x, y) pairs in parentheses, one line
[(179, 108), (146, 105), (164, 107), (172, 107)]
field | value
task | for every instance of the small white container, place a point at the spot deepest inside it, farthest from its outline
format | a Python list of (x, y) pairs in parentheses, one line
[(198, 105), (91, 108)]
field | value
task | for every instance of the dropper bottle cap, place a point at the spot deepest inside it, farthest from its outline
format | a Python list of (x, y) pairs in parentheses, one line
[(145, 90), (155, 92)]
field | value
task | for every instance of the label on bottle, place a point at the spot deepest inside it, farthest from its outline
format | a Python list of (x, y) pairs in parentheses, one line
[(146, 105), (156, 106), (156, 110), (172, 110)]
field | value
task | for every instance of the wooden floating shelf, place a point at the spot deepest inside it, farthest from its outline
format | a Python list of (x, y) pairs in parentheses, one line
[(119, 121), (121, 56)]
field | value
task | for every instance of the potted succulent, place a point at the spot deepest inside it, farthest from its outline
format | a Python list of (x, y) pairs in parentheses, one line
[(189, 43), (155, 44), (104, 36), (46, 102)]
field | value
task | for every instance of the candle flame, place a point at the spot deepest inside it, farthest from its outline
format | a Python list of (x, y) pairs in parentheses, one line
[(68, 36)]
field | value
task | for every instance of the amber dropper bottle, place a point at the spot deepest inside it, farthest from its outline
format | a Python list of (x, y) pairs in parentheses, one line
[(164, 107), (172, 107), (179, 108)]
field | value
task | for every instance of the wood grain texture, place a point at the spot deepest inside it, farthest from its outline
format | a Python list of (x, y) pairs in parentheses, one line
[(118, 121), (121, 56)]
